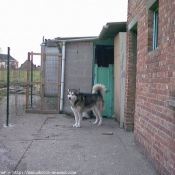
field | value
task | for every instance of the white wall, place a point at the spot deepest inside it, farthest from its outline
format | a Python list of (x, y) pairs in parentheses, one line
[(119, 76)]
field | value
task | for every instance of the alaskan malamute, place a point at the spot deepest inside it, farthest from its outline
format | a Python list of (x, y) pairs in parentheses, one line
[(83, 102)]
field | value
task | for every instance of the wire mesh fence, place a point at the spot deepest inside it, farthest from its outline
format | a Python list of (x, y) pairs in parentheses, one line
[(17, 90), (30, 89), (43, 91)]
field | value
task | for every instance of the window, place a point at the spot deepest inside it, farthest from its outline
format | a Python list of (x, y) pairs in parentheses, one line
[(155, 30), (153, 20)]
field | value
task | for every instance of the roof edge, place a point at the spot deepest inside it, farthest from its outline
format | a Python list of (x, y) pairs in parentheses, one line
[(75, 39), (108, 25)]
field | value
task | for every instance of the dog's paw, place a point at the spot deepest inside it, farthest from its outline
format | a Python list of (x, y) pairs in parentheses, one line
[(78, 126), (99, 124), (94, 123), (75, 125)]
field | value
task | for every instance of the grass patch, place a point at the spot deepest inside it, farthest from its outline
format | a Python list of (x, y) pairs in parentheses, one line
[(2, 95), (17, 77)]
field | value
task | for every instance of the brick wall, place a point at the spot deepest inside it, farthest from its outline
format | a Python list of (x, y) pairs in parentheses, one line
[(146, 98), (130, 87), (78, 68)]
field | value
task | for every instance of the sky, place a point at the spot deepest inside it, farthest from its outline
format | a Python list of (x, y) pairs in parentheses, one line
[(23, 23)]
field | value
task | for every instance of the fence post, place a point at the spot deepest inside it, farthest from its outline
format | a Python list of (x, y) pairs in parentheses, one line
[(31, 67), (8, 83), (28, 81)]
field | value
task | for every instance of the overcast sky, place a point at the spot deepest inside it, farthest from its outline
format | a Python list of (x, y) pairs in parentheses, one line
[(25, 22)]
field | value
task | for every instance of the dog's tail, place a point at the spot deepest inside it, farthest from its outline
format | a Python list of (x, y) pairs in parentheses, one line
[(99, 88)]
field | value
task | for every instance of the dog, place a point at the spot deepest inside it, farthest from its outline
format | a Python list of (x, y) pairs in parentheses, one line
[(84, 102)]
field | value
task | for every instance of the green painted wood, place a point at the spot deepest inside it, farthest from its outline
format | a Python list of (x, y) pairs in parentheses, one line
[(105, 76)]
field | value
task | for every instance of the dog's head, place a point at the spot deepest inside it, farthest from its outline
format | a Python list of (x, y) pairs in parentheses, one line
[(73, 94)]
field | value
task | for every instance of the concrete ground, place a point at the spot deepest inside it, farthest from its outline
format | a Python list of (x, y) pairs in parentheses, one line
[(49, 144)]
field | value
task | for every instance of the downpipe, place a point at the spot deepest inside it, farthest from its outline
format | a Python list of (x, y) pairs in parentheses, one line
[(62, 74)]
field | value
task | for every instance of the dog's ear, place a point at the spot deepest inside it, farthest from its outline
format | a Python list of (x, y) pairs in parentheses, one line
[(78, 91), (68, 90)]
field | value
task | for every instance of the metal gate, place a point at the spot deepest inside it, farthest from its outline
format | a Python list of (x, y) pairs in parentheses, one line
[(105, 75), (43, 86)]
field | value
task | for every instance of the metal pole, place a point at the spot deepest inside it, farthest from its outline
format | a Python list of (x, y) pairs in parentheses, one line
[(31, 67), (62, 75), (8, 83), (28, 81)]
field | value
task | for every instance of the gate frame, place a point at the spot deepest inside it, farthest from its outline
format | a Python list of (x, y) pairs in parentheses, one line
[(42, 83)]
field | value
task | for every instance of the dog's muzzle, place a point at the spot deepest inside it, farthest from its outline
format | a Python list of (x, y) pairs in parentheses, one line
[(69, 98)]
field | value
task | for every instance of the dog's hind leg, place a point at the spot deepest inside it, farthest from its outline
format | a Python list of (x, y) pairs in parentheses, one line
[(99, 115), (100, 112), (96, 115)]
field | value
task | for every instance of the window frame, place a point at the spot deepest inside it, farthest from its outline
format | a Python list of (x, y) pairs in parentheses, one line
[(155, 28)]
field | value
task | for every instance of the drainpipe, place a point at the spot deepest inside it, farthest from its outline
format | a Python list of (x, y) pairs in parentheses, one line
[(62, 75)]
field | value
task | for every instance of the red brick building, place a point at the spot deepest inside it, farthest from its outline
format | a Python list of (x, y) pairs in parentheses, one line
[(150, 80), (3, 62)]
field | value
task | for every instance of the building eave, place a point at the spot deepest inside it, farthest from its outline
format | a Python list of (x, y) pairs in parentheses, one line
[(110, 30)]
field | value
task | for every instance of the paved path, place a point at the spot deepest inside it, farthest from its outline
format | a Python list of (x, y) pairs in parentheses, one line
[(48, 144)]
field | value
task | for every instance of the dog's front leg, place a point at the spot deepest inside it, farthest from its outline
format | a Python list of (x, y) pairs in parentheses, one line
[(79, 119), (76, 118)]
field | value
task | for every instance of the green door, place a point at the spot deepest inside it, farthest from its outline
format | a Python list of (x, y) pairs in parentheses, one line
[(105, 76)]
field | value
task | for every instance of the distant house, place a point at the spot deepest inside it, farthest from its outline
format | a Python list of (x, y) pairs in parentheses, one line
[(24, 66), (3, 62)]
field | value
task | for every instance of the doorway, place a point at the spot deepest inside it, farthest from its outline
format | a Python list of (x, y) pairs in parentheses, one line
[(104, 55), (104, 74)]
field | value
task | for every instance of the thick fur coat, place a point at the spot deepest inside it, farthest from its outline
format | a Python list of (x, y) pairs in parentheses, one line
[(83, 102)]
